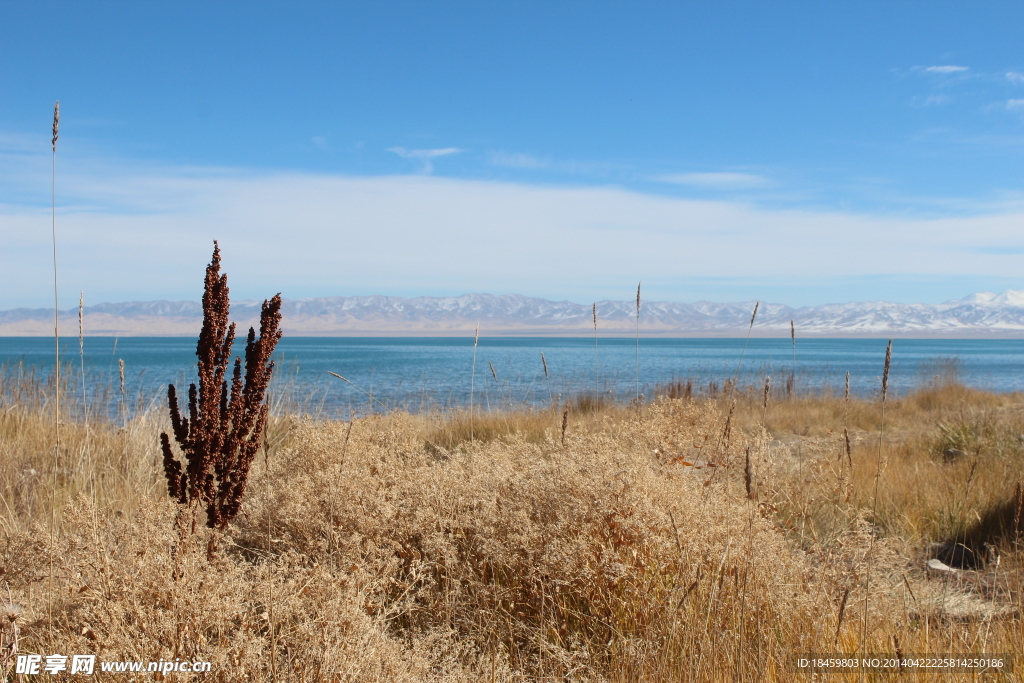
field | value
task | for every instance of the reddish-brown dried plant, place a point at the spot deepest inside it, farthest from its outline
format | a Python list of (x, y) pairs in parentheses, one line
[(222, 433)]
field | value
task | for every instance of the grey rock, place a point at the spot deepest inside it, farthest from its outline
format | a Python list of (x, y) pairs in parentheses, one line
[(939, 566)]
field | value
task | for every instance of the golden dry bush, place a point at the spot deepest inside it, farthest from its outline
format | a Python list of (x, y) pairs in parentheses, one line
[(597, 557), (138, 589)]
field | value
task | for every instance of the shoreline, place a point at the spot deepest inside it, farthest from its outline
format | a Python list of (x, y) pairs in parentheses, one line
[(467, 333)]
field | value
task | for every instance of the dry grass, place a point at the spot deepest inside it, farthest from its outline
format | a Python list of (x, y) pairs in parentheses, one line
[(924, 495), (399, 548)]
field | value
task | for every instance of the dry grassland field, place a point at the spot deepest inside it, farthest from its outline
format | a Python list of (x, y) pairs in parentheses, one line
[(685, 538), (414, 156)]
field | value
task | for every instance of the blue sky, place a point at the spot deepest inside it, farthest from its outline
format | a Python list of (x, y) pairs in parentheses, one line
[(795, 152)]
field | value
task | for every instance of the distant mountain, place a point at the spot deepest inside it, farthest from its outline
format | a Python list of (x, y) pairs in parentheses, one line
[(979, 315)]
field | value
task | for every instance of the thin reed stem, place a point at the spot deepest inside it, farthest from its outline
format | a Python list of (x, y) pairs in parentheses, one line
[(547, 379), (874, 499), (56, 304), (846, 430), (56, 343), (597, 364), (792, 339), (270, 584), (124, 404), (792, 372), (472, 383), (638, 342), (373, 398), (81, 353), (743, 353), (767, 390)]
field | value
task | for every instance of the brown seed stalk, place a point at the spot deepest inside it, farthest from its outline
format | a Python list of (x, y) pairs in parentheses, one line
[(767, 389), (885, 371), (748, 475), (81, 326), (846, 441), (842, 611), (225, 424), (56, 123), (899, 651)]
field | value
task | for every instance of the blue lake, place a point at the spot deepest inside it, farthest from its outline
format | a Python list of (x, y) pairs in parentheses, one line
[(427, 373)]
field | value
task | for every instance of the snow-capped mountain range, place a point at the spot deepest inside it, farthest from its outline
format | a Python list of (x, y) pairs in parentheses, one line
[(979, 315)]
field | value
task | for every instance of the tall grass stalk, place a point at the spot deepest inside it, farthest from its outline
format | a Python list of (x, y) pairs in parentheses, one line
[(597, 364), (874, 498), (792, 372), (81, 352), (792, 339), (56, 347), (547, 379), (124, 405), (846, 423), (373, 399), (739, 363), (767, 391), (638, 342), (472, 381), (56, 304)]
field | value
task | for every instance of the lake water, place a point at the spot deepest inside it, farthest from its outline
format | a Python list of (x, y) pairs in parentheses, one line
[(427, 373)]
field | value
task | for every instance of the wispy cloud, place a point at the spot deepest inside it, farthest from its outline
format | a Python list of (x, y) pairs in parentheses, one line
[(1000, 250), (518, 160), (530, 162), (1015, 105), (18, 143), (937, 100), (718, 181), (946, 69), (425, 155), (1015, 77)]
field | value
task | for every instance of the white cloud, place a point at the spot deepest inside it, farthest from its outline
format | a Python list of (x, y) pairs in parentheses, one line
[(946, 69), (147, 234), (1015, 77), (424, 155), (722, 180), (1015, 105)]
